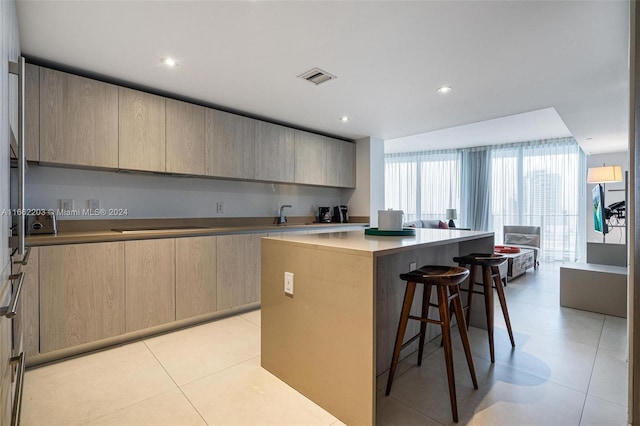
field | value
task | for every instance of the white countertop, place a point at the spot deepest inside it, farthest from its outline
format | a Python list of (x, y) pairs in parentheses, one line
[(357, 241)]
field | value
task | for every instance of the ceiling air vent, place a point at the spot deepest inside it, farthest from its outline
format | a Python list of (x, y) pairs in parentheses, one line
[(317, 76)]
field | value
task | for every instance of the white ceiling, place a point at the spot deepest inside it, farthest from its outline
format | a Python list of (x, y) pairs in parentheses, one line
[(528, 126), (501, 58)]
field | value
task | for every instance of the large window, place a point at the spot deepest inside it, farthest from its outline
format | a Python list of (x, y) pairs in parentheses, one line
[(423, 185), (532, 183)]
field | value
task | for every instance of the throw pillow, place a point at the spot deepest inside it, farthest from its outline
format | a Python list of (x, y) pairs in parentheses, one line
[(442, 225)]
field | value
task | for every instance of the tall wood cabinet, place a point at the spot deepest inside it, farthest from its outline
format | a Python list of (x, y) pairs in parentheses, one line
[(32, 113), (31, 303), (78, 120), (238, 269), (230, 145), (185, 151), (196, 276), (141, 130), (275, 152), (150, 283), (82, 297)]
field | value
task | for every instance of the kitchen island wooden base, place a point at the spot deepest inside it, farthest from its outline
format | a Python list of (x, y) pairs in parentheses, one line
[(334, 336)]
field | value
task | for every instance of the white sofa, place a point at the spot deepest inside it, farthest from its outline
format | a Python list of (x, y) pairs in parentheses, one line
[(527, 237)]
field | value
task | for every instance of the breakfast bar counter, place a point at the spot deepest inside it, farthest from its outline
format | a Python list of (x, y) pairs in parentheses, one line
[(334, 335)]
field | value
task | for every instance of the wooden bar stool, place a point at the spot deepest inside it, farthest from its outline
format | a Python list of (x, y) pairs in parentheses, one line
[(447, 280), (490, 273)]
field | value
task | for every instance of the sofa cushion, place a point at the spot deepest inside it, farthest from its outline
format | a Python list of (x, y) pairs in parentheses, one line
[(435, 223), (413, 224), (522, 239)]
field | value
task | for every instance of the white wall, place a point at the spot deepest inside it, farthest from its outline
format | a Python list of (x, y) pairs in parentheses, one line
[(9, 50), (612, 194), (161, 196), (368, 197)]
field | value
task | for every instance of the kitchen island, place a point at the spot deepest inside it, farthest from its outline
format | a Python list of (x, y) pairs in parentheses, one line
[(335, 334)]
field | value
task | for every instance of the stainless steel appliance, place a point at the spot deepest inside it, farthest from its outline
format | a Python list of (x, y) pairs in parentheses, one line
[(340, 214), (18, 162), (42, 224), (11, 328), (324, 214)]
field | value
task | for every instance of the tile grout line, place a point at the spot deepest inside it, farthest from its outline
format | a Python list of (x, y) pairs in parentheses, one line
[(593, 366), (94, 419), (413, 409), (178, 386)]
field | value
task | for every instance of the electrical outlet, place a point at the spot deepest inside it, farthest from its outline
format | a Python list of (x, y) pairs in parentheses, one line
[(66, 203), (93, 204), (220, 207), (288, 283), (413, 266)]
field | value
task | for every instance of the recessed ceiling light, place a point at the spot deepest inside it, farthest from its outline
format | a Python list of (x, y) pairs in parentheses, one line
[(589, 139), (170, 62), (344, 118), (444, 89)]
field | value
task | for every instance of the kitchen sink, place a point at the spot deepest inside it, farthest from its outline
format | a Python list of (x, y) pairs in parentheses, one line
[(156, 229)]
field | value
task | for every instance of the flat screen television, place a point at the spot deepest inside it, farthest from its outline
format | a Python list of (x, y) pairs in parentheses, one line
[(599, 216)]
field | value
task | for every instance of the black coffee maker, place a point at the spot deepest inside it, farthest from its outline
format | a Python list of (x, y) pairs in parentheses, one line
[(340, 214), (324, 214)]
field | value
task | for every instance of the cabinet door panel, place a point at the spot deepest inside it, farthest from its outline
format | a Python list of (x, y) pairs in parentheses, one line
[(150, 283), (32, 113), (341, 163), (81, 294), (230, 145), (275, 152), (196, 289), (78, 120), (185, 138), (238, 270), (311, 158), (141, 131), (31, 304)]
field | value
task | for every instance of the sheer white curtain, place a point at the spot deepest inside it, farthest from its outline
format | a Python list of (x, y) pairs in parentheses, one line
[(423, 184), (401, 185), (529, 183), (541, 183)]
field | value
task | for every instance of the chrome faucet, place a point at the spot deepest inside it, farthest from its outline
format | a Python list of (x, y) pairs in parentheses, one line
[(282, 219)]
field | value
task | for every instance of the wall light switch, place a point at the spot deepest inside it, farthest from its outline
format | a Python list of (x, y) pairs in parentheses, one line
[(413, 266), (66, 203), (288, 283), (220, 207), (93, 204)]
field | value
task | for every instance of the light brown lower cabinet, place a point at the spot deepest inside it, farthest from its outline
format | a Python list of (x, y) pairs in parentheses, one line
[(150, 283), (81, 294), (238, 269), (196, 281), (31, 304)]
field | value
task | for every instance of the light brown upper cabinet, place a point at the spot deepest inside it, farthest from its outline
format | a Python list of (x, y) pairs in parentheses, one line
[(141, 130), (275, 152), (82, 295), (311, 157), (78, 120), (341, 163), (150, 283), (230, 145), (32, 113), (185, 138), (196, 289)]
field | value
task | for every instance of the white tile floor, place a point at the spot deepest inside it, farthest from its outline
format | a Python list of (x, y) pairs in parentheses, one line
[(569, 368)]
